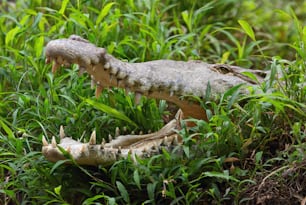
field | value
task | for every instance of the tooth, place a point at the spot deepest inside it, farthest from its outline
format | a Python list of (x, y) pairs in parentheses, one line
[(165, 141), (92, 84), (93, 68), (149, 131), (133, 132), (55, 66), (47, 61), (119, 83), (171, 93), (156, 146), (124, 129), (110, 138), (133, 157), (62, 132), (119, 150), (92, 140), (137, 97), (107, 66), (53, 142), (81, 70), (175, 140), (99, 89), (44, 141), (83, 148), (127, 90), (103, 142), (110, 78), (140, 132), (117, 132), (179, 115)]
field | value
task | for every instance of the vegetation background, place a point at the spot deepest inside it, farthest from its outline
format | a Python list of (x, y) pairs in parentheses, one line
[(252, 148)]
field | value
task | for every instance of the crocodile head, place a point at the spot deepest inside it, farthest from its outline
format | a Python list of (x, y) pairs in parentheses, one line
[(164, 79)]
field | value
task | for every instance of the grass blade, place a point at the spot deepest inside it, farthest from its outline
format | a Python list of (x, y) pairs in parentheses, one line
[(111, 111), (247, 29)]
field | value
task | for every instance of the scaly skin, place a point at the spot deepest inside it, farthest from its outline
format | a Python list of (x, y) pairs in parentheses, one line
[(164, 79)]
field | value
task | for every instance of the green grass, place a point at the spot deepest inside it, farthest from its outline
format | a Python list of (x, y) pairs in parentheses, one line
[(264, 131)]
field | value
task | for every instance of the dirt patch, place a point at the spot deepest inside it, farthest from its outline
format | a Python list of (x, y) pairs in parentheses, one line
[(283, 185)]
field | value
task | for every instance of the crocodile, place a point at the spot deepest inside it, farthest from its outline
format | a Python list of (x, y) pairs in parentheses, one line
[(170, 80)]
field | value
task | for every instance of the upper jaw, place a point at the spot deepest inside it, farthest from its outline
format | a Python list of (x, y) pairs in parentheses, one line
[(64, 52)]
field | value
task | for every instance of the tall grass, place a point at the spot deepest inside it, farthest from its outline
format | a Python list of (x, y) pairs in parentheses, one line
[(244, 138)]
